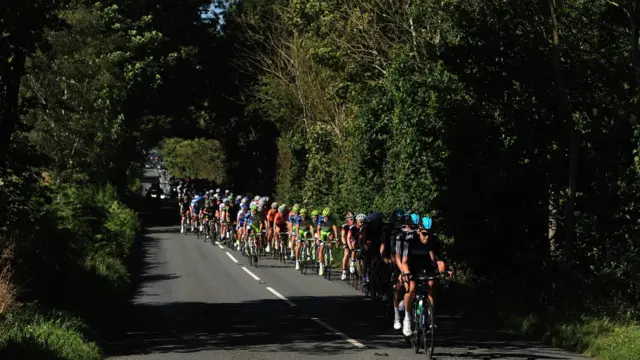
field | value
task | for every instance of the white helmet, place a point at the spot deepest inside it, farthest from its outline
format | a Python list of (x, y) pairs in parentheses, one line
[(282, 208), (238, 197), (256, 198), (261, 204), (360, 217), (217, 190), (274, 205)]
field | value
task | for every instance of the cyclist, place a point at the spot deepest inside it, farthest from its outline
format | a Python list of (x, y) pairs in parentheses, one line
[(291, 225), (304, 229), (271, 215), (280, 225), (353, 236), (398, 221), (184, 211), (209, 212), (232, 211), (194, 210), (240, 220), (423, 257), (327, 233), (370, 236), (254, 225), (222, 215), (409, 237), (344, 232)]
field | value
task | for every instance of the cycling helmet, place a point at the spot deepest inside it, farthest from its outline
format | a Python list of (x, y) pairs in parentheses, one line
[(274, 205), (261, 204), (360, 217), (265, 199), (196, 198), (326, 211), (238, 197), (254, 207), (282, 208), (303, 211), (315, 213), (227, 192), (226, 201), (349, 215), (218, 191), (295, 208), (256, 198), (245, 200), (415, 219), (244, 206), (427, 222), (399, 212)]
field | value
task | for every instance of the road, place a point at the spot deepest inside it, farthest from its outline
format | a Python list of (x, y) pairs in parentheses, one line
[(198, 300)]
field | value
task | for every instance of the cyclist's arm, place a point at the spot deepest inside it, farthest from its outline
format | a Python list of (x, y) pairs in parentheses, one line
[(335, 232)]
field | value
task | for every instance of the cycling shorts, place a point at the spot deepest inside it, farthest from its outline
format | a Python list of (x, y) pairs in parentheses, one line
[(324, 235)]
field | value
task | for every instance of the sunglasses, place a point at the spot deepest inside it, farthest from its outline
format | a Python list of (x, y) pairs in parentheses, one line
[(424, 233)]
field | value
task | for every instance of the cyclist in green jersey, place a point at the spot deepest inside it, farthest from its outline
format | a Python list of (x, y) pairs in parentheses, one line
[(327, 233), (304, 230)]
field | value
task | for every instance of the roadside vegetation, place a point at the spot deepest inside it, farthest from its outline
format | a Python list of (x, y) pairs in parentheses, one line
[(515, 125)]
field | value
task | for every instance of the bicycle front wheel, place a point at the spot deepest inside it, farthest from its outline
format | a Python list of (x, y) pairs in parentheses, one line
[(428, 331)]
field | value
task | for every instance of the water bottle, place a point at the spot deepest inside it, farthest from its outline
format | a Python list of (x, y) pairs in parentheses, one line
[(419, 309)]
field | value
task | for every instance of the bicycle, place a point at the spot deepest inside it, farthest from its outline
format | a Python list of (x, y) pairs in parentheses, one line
[(252, 252), (282, 248), (328, 257), (305, 255), (423, 329)]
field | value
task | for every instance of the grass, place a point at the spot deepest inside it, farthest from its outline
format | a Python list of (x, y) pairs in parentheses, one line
[(599, 338), (27, 334), (594, 336)]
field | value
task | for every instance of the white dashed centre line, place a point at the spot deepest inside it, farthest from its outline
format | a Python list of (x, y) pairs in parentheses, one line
[(339, 333), (220, 245), (281, 297), (250, 273), (231, 257)]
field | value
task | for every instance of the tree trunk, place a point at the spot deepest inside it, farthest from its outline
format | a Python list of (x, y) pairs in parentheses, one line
[(567, 117), (12, 67)]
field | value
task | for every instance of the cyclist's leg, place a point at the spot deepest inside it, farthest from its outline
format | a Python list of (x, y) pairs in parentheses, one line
[(345, 260), (408, 301)]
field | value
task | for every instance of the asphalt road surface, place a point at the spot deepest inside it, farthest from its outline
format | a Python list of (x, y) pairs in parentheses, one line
[(201, 301)]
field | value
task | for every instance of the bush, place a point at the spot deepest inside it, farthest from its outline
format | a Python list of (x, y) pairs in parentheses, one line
[(27, 334)]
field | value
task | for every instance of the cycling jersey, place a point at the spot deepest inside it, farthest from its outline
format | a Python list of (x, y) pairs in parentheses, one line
[(326, 226), (240, 218), (253, 220), (197, 205), (355, 233), (401, 240), (280, 220), (303, 225), (223, 212), (233, 212), (419, 254), (271, 215)]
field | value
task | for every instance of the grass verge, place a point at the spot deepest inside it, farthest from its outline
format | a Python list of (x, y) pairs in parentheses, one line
[(598, 337), (28, 334)]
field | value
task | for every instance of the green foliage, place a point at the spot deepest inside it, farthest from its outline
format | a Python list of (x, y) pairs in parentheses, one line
[(197, 158), (28, 334)]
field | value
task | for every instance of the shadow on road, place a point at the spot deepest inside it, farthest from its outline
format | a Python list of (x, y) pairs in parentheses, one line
[(274, 326)]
